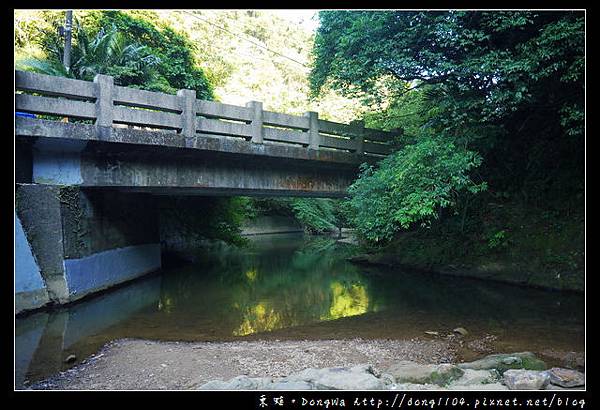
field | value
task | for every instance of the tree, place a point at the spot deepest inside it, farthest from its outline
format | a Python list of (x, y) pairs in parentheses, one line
[(126, 45), (503, 89), (108, 52)]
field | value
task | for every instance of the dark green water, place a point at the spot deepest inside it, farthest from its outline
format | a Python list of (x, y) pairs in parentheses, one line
[(292, 287)]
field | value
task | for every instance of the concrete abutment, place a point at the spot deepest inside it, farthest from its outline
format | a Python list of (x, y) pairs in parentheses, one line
[(71, 242)]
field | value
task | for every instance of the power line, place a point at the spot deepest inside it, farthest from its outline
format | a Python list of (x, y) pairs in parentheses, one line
[(245, 39)]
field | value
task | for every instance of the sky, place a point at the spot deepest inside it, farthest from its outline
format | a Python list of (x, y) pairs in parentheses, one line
[(301, 16)]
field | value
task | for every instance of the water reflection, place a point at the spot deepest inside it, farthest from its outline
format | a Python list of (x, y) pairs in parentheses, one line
[(44, 340), (288, 286), (256, 291)]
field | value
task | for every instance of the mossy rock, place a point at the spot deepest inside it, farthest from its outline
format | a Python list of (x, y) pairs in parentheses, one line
[(410, 372), (505, 361)]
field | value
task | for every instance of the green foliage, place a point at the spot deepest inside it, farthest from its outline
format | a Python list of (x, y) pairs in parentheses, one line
[(126, 45), (200, 218), (178, 68), (497, 239), (315, 214), (411, 186), (500, 95), (108, 52), (495, 62)]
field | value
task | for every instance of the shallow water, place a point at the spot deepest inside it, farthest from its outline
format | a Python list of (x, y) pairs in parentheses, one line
[(288, 286)]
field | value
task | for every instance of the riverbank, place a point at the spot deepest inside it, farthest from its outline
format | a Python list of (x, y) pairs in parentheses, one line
[(508, 243), (133, 364)]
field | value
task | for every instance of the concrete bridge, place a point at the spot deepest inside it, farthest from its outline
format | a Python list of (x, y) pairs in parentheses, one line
[(93, 163), (144, 141)]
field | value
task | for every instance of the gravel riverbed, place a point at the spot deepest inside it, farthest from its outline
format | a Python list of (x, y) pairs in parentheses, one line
[(130, 364)]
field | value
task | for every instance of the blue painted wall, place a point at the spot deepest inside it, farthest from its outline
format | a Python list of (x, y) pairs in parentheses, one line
[(104, 269), (27, 272)]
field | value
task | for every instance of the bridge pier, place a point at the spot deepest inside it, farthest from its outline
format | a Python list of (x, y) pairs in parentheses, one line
[(81, 241)]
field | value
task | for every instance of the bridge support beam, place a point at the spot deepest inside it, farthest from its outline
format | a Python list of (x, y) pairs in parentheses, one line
[(83, 241)]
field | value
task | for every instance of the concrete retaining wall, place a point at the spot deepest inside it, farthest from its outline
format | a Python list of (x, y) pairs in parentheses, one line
[(80, 241), (105, 269), (30, 289)]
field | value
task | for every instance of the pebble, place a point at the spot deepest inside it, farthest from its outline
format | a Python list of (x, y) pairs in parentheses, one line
[(71, 358), (461, 331)]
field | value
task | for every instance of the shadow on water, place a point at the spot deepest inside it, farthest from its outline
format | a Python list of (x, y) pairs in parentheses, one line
[(290, 287)]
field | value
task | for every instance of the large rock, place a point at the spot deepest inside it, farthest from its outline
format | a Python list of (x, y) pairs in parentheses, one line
[(503, 362), (290, 385), (256, 383), (566, 377), (489, 386), (239, 383), (410, 372), (336, 378), (476, 377), (413, 386), (519, 379), (340, 378)]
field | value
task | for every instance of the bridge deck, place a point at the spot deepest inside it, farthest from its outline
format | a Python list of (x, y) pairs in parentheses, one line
[(98, 135), (113, 109)]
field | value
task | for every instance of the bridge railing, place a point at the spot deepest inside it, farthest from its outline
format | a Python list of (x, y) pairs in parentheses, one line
[(106, 105)]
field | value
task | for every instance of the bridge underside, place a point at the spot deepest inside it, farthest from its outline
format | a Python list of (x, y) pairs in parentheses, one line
[(90, 201), (170, 164)]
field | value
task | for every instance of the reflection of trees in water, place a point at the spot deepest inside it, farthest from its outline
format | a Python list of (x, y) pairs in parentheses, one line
[(291, 283), (263, 291)]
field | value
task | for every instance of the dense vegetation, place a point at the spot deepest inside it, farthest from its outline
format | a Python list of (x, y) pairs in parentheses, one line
[(492, 104), (316, 215), (127, 46), (490, 167)]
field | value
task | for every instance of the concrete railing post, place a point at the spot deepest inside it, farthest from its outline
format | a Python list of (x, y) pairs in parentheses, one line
[(257, 121), (314, 139), (359, 127), (187, 103), (104, 105)]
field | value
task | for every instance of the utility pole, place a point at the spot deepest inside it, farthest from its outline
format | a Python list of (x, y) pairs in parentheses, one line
[(68, 29)]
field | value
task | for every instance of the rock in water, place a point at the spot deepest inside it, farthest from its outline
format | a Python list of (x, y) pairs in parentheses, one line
[(503, 362), (410, 372), (461, 331), (519, 379), (432, 333), (566, 377)]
